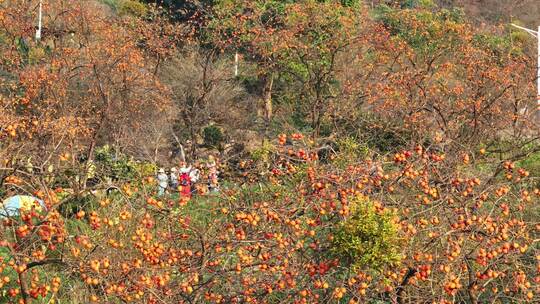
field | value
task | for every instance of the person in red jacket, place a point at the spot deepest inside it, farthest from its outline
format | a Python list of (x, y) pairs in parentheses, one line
[(184, 182)]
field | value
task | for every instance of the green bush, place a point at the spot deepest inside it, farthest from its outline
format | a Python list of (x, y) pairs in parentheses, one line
[(263, 153), (350, 151), (351, 3), (417, 4), (113, 4), (77, 203), (368, 238), (145, 169), (114, 166), (35, 54), (213, 136), (531, 163), (132, 7)]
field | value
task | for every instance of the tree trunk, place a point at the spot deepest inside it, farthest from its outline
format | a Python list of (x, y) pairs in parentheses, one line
[(89, 159), (103, 116), (316, 114), (180, 146), (267, 102)]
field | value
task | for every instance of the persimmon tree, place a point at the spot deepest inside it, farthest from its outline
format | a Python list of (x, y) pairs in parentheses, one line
[(445, 77), (295, 45), (441, 220), (320, 35), (410, 227), (86, 81), (252, 28)]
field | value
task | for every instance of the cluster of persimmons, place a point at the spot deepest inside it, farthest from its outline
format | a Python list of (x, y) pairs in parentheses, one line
[(461, 237)]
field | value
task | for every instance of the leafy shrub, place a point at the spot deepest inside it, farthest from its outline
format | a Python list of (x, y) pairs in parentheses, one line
[(132, 7), (262, 154), (213, 136), (417, 4), (35, 54), (114, 166), (77, 203), (120, 166), (439, 29), (113, 4), (368, 238), (499, 45), (145, 169), (531, 163), (305, 232), (387, 140), (351, 3), (350, 151)]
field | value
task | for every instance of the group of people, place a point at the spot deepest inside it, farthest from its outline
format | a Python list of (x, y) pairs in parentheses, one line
[(184, 179)]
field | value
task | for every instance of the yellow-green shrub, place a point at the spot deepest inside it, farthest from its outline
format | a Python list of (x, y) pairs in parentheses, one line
[(368, 238), (132, 7)]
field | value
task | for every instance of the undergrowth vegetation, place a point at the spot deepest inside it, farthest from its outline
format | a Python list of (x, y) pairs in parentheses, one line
[(367, 152), (368, 229)]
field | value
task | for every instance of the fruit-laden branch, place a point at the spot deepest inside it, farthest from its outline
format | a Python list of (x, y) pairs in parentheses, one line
[(44, 262), (399, 290)]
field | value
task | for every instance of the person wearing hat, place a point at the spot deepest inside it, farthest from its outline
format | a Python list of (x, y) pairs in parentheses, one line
[(185, 181), (174, 179), (211, 161), (195, 176), (163, 181), (195, 172), (213, 183)]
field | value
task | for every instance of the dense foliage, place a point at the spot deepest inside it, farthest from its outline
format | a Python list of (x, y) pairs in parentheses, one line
[(369, 152)]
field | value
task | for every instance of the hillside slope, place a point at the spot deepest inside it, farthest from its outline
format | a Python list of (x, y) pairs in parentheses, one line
[(498, 11)]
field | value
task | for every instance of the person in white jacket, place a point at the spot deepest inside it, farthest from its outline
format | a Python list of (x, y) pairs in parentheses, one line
[(213, 183), (174, 179), (163, 181), (195, 174)]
